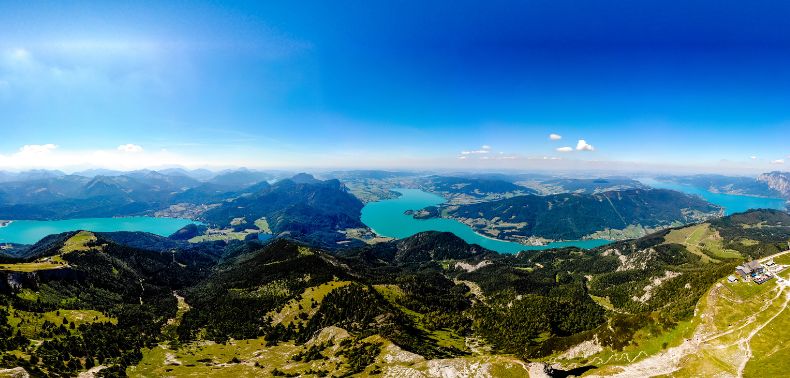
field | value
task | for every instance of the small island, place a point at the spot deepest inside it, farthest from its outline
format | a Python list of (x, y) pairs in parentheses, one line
[(4, 223), (426, 213)]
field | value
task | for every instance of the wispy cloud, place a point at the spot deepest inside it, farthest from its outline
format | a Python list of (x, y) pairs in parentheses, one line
[(778, 161), (565, 149), (51, 156), (483, 150), (555, 136), (130, 148), (37, 148)]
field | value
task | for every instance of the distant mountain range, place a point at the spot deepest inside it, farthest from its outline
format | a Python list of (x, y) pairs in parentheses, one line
[(55, 195), (507, 206), (751, 186)]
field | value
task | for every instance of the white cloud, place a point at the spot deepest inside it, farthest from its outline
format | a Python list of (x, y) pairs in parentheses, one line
[(544, 158), (37, 148), (753, 157), (475, 152), (462, 157), (130, 148), (565, 149), (778, 161), (583, 146), (485, 147), (555, 136)]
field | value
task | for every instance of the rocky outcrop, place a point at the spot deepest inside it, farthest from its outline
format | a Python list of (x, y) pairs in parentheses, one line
[(779, 181), (11, 281)]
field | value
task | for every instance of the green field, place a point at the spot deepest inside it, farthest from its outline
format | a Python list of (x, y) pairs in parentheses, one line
[(78, 242), (30, 323), (702, 241), (32, 266), (203, 359), (263, 225)]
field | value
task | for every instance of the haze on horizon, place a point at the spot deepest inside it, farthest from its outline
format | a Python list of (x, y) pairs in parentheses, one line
[(517, 86)]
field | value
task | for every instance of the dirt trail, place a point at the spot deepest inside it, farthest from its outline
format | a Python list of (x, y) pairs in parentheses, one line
[(745, 343), (183, 307), (669, 361)]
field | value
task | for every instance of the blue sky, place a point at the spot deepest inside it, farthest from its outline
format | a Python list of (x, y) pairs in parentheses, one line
[(690, 86)]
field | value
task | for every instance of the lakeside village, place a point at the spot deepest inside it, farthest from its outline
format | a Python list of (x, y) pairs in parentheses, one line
[(756, 271), (5, 246)]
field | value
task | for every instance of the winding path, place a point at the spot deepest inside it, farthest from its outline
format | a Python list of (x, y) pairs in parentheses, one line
[(669, 361)]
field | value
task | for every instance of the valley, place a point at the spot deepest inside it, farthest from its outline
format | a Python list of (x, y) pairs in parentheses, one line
[(293, 278)]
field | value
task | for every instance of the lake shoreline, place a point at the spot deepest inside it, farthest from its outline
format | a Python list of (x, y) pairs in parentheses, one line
[(387, 218), (730, 203), (32, 231)]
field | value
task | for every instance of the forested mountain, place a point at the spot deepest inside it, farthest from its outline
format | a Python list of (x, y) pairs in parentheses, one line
[(554, 185), (574, 216), (473, 187), (118, 300), (309, 209)]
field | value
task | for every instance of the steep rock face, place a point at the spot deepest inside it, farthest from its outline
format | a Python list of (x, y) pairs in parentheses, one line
[(11, 281), (779, 181)]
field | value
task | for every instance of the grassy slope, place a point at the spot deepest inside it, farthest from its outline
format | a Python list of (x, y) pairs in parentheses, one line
[(254, 358), (78, 242), (30, 323), (290, 312), (737, 327), (702, 241)]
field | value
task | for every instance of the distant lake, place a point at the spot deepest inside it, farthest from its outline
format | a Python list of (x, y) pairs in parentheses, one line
[(29, 232), (387, 218), (732, 203)]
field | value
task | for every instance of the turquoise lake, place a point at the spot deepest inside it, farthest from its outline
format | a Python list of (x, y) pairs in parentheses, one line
[(387, 218), (732, 203), (29, 232)]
